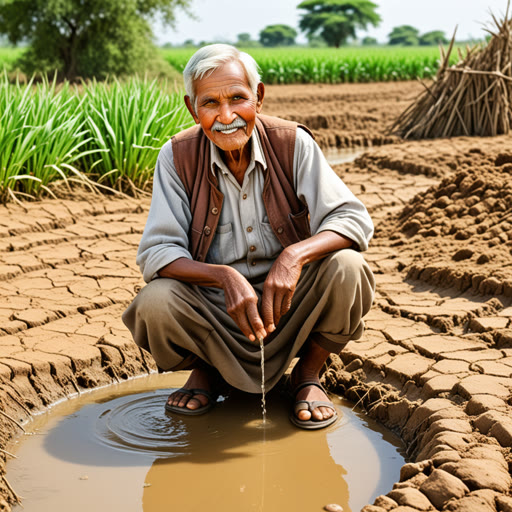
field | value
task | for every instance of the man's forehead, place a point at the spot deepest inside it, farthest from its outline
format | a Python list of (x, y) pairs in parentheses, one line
[(229, 76)]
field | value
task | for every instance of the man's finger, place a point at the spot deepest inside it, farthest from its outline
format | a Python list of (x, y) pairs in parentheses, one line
[(287, 303), (267, 310), (255, 321), (278, 301), (243, 323)]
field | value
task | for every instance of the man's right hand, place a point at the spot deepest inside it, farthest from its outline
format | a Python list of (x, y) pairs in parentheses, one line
[(242, 304), (241, 299)]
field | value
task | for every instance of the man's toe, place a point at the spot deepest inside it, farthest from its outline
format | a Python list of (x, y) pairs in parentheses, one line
[(318, 414), (304, 415), (193, 404), (326, 412)]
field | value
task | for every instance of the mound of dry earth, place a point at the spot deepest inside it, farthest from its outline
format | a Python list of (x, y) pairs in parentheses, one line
[(458, 233), (343, 115)]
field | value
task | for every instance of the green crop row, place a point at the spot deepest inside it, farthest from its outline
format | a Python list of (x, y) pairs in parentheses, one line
[(105, 135), (330, 65)]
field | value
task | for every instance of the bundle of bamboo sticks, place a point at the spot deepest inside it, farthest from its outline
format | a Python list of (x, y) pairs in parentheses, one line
[(473, 97)]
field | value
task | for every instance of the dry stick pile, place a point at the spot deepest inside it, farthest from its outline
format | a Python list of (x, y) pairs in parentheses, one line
[(472, 97)]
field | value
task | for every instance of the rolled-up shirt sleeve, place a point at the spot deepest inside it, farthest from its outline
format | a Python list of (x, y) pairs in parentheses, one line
[(332, 206), (165, 237)]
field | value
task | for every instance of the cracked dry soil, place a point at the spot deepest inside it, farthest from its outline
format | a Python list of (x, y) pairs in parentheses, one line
[(435, 362)]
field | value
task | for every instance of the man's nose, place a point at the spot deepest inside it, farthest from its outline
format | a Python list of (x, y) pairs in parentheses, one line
[(226, 114)]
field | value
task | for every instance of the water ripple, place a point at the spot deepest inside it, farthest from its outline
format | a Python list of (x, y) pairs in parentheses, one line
[(139, 423)]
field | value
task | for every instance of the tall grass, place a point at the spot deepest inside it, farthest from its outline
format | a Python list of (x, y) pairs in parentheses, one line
[(129, 123), (330, 65), (106, 134)]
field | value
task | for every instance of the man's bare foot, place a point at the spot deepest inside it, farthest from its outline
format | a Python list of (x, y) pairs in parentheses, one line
[(199, 379)]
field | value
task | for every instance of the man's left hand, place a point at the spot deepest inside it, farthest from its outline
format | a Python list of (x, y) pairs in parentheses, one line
[(279, 288)]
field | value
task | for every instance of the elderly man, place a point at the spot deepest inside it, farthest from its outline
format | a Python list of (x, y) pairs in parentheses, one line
[(250, 235)]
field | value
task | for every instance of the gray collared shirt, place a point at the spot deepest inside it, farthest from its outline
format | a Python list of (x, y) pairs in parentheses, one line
[(244, 238)]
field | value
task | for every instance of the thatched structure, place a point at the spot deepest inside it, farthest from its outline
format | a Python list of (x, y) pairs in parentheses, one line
[(473, 97)]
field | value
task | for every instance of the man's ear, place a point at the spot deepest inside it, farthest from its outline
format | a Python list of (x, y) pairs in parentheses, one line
[(260, 94), (188, 103)]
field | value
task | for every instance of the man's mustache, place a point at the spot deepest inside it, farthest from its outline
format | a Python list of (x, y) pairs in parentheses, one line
[(237, 123)]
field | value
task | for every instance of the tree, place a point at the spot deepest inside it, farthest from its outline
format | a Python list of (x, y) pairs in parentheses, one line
[(404, 35), (86, 38), (278, 35), (434, 38), (243, 38), (369, 41), (337, 20)]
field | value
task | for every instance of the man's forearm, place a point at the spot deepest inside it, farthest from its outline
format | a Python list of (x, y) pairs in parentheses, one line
[(318, 246), (194, 272)]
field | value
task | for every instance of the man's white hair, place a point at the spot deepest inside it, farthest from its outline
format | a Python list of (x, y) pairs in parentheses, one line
[(209, 58)]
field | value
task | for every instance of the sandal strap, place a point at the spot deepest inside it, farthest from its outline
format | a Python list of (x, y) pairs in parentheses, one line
[(302, 405), (188, 392), (205, 392), (306, 384)]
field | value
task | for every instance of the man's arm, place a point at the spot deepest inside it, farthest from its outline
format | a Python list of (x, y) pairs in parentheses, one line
[(338, 221), (165, 236), (284, 275), (241, 299)]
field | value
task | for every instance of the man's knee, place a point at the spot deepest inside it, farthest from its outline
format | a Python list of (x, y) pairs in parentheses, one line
[(348, 268), (158, 297)]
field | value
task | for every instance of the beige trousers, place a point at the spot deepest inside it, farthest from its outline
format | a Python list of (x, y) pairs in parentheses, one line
[(172, 319)]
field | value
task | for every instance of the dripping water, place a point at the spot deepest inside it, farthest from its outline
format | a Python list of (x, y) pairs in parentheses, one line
[(263, 403)]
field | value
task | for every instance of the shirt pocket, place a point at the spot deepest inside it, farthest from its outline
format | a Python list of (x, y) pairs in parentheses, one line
[(270, 241), (222, 249)]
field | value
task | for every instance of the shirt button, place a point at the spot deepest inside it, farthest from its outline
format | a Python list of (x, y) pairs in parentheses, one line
[(207, 230), (215, 211), (244, 196), (279, 230), (253, 263), (249, 229), (252, 248)]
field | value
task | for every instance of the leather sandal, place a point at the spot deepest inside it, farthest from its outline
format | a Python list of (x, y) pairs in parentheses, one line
[(310, 405), (192, 393)]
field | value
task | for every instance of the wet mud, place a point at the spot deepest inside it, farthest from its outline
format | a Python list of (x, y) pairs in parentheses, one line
[(435, 362)]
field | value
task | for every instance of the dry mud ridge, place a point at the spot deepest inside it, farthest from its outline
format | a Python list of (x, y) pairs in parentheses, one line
[(435, 362)]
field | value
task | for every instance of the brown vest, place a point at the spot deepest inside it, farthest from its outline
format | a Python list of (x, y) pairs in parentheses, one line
[(287, 215)]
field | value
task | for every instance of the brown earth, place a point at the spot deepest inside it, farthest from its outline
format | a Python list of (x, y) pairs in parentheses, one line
[(435, 363)]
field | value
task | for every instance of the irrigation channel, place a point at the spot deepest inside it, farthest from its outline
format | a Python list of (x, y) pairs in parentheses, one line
[(116, 449)]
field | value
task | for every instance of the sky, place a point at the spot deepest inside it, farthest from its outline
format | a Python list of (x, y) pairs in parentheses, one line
[(222, 20)]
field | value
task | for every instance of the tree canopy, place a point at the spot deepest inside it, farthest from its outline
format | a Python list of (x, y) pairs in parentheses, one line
[(278, 35), (433, 38), (337, 20), (405, 35), (85, 38), (369, 41)]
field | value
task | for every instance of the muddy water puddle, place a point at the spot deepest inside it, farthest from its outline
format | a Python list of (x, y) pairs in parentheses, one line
[(116, 449)]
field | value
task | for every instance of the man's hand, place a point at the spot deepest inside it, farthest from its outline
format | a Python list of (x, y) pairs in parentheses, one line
[(279, 288), (242, 304), (241, 299), (284, 275)]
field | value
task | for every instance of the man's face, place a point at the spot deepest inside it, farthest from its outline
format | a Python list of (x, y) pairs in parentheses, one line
[(224, 98)]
